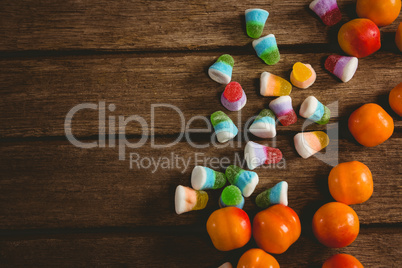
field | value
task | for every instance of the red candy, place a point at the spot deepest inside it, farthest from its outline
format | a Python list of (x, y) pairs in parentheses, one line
[(359, 38), (274, 155), (233, 91)]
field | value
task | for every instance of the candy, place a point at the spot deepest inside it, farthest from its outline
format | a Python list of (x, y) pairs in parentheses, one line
[(273, 85), (245, 180), (203, 178), (233, 97), (257, 155), (359, 38), (282, 107), (221, 70), (327, 10), (309, 143), (264, 125), (224, 128), (314, 110), (341, 66), (226, 265), (255, 21), (187, 199), (276, 195), (302, 75), (371, 125), (231, 197), (267, 49)]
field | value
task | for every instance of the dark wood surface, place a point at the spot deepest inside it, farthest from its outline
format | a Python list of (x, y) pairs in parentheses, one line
[(66, 206)]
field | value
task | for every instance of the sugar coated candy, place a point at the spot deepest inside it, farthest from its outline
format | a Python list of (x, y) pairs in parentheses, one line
[(267, 49), (226, 265), (314, 110), (282, 107), (327, 10), (341, 66), (257, 155), (255, 21), (308, 143), (264, 125), (231, 197), (187, 199), (302, 75), (221, 70), (273, 85), (224, 128), (275, 195), (233, 97), (244, 179), (203, 178)]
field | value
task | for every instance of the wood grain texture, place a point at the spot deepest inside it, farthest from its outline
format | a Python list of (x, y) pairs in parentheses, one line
[(52, 184), (38, 93), (156, 25), (190, 249)]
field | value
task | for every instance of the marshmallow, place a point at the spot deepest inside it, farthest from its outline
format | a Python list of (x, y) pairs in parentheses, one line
[(221, 70), (273, 85), (315, 111), (282, 107), (244, 179), (309, 143), (257, 155), (187, 199), (226, 265), (224, 128), (203, 178), (267, 49), (255, 21), (231, 197), (276, 195), (302, 75), (233, 97), (341, 66), (264, 125), (327, 10)]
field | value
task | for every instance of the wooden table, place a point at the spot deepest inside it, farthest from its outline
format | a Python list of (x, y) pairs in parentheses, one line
[(67, 206)]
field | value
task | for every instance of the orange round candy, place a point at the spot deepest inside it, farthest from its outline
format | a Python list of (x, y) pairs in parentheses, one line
[(257, 258), (276, 228), (229, 228), (398, 37), (335, 225), (381, 12), (371, 125), (351, 183), (359, 38), (342, 261), (395, 98)]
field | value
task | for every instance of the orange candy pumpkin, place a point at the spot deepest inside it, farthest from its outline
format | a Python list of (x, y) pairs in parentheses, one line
[(342, 261), (336, 225), (257, 258), (229, 228), (381, 12), (351, 183), (371, 125), (276, 228), (395, 97)]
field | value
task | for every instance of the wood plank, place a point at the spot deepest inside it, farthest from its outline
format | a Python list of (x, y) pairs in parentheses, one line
[(373, 247), (52, 184), (156, 25), (37, 94)]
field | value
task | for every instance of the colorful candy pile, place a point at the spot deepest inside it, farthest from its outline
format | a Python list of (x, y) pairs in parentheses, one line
[(277, 227)]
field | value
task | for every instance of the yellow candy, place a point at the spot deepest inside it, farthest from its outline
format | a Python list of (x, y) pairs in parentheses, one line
[(301, 72)]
